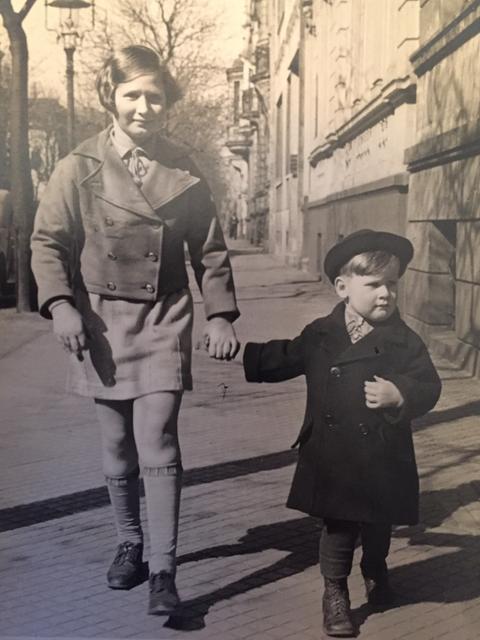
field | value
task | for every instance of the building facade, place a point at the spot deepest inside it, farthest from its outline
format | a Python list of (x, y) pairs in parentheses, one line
[(444, 165), (285, 221), (249, 131), (374, 120), (360, 118)]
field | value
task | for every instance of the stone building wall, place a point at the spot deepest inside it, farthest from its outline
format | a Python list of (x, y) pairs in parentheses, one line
[(360, 95), (285, 226), (443, 206)]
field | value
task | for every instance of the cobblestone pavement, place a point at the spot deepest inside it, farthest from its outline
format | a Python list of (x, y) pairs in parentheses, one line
[(247, 565)]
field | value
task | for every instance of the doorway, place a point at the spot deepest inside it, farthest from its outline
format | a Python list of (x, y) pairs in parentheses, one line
[(448, 249)]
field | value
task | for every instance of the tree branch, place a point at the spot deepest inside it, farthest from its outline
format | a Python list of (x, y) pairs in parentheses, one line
[(24, 11), (8, 14)]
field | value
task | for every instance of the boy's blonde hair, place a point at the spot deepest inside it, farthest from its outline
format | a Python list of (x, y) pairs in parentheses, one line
[(368, 263)]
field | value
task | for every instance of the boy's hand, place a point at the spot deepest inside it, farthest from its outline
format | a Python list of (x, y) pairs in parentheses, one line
[(382, 394), (220, 339), (68, 328)]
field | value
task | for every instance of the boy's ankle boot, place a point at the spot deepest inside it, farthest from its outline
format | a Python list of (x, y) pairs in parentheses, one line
[(337, 619), (378, 590)]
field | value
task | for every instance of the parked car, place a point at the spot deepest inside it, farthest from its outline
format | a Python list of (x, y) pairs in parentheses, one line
[(7, 244)]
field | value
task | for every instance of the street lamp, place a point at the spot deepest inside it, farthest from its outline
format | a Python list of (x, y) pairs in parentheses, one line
[(70, 29)]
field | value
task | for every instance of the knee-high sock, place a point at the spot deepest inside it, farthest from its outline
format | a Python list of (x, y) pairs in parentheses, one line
[(162, 492), (337, 544), (124, 495)]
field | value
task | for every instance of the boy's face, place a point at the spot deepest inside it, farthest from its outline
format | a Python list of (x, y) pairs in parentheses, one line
[(374, 297)]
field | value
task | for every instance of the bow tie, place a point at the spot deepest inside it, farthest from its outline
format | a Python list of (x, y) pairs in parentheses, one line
[(357, 327), (137, 165)]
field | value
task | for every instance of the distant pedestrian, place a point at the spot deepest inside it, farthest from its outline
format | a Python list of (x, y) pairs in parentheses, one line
[(368, 375), (233, 226), (108, 257), (6, 238)]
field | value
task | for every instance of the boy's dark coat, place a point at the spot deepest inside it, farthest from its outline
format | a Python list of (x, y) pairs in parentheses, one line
[(355, 463)]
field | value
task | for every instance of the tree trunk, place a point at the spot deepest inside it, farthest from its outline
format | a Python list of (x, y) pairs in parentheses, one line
[(21, 179)]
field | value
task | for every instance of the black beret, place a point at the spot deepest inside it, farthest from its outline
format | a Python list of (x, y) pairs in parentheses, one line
[(367, 240)]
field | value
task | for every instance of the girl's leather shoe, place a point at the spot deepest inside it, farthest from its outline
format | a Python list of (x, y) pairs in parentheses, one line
[(337, 619), (126, 570), (163, 594)]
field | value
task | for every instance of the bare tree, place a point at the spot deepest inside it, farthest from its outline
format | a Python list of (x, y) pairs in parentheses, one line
[(4, 121), (21, 180)]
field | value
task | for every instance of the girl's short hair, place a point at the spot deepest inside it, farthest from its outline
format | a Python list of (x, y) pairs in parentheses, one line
[(368, 263), (128, 63)]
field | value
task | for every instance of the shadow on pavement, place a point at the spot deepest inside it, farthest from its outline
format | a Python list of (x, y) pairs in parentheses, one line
[(448, 415), (298, 537), (245, 251), (26, 515), (452, 576)]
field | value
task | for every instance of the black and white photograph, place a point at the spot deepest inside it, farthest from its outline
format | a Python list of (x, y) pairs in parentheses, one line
[(239, 319)]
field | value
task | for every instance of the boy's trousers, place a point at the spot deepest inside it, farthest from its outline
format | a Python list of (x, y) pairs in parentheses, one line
[(337, 545)]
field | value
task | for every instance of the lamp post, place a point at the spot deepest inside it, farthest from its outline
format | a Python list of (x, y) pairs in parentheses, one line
[(70, 29)]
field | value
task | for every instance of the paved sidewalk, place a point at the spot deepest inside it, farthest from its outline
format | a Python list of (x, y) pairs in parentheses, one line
[(247, 565)]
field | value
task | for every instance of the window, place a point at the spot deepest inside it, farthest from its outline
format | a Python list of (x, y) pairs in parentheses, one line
[(288, 132), (319, 253), (236, 102), (279, 139)]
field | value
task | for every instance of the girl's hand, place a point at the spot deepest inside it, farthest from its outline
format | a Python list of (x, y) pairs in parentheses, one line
[(220, 339), (68, 328), (382, 394)]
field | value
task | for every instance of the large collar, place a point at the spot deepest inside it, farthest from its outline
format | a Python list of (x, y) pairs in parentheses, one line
[(121, 141), (95, 147), (336, 340), (110, 180)]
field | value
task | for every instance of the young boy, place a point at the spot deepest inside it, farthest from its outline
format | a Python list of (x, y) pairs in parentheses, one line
[(367, 376)]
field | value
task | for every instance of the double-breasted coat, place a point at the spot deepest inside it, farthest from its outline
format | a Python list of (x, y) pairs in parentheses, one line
[(354, 463), (96, 230), (116, 251)]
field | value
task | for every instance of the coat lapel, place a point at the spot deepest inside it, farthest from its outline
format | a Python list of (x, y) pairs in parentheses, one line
[(161, 184), (333, 337), (377, 342), (111, 181), (332, 333)]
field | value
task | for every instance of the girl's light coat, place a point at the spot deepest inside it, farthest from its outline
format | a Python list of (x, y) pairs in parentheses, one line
[(95, 230)]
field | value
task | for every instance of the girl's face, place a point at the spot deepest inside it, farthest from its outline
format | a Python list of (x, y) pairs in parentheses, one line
[(374, 297), (140, 104)]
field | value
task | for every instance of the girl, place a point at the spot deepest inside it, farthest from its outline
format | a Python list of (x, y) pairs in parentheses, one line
[(108, 257)]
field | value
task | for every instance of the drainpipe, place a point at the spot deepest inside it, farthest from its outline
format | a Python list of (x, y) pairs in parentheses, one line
[(304, 6)]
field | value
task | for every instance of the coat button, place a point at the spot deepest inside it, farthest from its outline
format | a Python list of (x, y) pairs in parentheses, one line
[(364, 430), (329, 420), (149, 287), (151, 255), (109, 222), (335, 372), (111, 255), (111, 285)]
